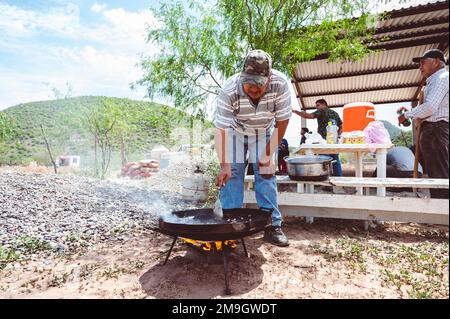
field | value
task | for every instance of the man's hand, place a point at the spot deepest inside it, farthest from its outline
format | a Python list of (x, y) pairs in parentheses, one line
[(266, 169), (224, 175)]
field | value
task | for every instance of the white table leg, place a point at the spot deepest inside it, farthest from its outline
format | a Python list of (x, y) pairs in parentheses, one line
[(359, 171), (310, 190), (381, 169), (366, 225)]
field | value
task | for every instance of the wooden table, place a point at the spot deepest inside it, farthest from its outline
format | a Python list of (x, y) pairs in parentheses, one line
[(359, 150)]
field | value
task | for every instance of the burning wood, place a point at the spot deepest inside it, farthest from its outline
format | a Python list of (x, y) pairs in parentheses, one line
[(211, 246)]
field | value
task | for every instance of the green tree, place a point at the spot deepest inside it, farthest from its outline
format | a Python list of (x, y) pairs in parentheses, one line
[(203, 44), (8, 131), (403, 139), (101, 121), (8, 127), (56, 136)]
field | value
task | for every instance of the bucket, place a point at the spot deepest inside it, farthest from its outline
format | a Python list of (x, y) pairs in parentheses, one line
[(170, 158), (195, 188), (356, 116), (157, 152)]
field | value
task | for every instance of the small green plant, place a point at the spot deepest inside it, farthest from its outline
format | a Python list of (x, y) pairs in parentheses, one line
[(212, 170), (31, 245), (7, 255), (113, 271), (87, 270), (59, 279), (135, 265), (82, 240)]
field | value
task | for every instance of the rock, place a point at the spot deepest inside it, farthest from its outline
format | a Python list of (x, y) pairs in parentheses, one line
[(61, 210)]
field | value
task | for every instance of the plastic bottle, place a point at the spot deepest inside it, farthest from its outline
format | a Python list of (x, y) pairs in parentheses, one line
[(402, 110), (332, 133)]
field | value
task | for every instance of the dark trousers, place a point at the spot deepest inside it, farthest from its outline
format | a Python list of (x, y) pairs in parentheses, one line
[(282, 166), (337, 167), (434, 151)]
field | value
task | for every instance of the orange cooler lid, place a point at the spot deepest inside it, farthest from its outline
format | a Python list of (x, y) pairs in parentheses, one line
[(359, 104)]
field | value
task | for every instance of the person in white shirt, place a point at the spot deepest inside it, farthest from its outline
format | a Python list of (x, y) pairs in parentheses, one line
[(433, 115)]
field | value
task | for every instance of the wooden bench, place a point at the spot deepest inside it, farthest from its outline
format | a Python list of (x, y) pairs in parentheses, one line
[(365, 182), (305, 203)]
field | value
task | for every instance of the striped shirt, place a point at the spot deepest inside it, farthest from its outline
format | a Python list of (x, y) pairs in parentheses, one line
[(234, 109), (435, 105)]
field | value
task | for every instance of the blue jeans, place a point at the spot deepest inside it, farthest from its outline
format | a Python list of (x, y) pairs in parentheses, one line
[(232, 194), (337, 168)]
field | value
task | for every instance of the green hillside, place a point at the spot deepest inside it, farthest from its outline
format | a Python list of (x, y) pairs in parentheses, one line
[(392, 129), (66, 125), (398, 137)]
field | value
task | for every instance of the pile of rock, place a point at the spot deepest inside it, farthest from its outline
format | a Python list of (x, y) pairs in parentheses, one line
[(64, 209), (142, 169)]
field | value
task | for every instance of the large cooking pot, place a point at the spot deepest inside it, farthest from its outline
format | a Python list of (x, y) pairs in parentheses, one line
[(309, 167)]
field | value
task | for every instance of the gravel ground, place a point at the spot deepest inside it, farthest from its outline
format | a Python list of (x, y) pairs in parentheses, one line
[(58, 209), (75, 237)]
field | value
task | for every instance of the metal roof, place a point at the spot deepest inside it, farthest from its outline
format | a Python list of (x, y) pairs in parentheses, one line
[(386, 76)]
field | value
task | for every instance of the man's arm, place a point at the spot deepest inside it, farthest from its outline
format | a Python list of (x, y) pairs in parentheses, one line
[(305, 114), (436, 93), (222, 154)]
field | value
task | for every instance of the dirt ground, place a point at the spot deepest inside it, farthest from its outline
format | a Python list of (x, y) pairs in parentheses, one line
[(328, 259)]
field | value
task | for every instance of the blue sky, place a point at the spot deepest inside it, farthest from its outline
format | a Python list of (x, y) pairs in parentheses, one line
[(92, 45)]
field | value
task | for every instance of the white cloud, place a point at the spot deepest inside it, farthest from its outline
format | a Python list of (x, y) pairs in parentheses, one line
[(20, 22), (118, 27), (100, 58), (98, 7), (130, 25)]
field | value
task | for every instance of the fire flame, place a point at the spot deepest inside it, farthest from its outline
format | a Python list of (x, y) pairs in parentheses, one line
[(211, 245)]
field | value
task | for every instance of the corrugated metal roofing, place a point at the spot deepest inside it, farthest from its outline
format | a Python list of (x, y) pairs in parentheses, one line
[(384, 76)]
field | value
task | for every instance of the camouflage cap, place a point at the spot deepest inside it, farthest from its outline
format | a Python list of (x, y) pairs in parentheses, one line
[(257, 66)]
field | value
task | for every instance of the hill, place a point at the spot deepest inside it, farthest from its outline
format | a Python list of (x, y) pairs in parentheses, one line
[(394, 131), (398, 137), (65, 123)]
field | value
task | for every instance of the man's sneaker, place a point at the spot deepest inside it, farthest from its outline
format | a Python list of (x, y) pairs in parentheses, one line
[(275, 235)]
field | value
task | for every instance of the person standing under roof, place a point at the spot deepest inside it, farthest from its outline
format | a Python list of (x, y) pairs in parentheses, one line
[(433, 114), (323, 114)]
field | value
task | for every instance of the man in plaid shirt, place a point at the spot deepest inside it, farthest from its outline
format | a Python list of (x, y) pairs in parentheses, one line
[(433, 113)]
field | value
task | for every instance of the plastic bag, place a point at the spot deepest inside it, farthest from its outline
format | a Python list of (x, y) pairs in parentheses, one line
[(376, 133), (314, 138)]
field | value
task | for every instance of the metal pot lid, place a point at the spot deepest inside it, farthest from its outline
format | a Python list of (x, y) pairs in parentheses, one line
[(309, 159)]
